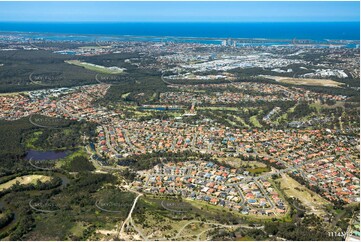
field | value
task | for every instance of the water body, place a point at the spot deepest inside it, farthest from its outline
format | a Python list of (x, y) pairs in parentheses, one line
[(309, 30), (45, 155)]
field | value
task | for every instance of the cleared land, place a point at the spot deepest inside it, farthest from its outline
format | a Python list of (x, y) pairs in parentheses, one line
[(97, 68), (313, 202), (305, 81), (25, 180)]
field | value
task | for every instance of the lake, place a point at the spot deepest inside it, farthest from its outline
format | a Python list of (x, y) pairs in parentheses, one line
[(46, 155)]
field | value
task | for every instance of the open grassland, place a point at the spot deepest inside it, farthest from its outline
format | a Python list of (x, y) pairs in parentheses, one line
[(258, 170), (25, 180), (313, 202), (241, 121), (305, 81), (255, 122), (96, 68)]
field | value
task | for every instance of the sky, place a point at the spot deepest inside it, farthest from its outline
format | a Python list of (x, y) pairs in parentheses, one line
[(180, 11)]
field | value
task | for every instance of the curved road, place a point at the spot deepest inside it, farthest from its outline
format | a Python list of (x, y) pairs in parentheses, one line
[(129, 219)]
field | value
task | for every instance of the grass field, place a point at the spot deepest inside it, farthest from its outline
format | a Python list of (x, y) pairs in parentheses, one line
[(258, 170), (239, 120), (96, 68), (255, 121), (25, 180), (313, 202), (305, 81)]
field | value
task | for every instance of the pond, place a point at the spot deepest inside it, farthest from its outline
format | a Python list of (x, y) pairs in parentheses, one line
[(46, 155)]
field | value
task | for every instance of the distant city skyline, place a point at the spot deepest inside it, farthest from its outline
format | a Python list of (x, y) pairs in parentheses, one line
[(180, 11)]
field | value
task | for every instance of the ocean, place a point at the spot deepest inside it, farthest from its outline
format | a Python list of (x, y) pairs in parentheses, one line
[(314, 31)]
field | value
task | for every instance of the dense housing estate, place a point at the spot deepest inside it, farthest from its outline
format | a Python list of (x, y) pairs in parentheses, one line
[(333, 169)]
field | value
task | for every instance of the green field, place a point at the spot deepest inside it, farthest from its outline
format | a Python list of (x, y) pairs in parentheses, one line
[(241, 121), (255, 121)]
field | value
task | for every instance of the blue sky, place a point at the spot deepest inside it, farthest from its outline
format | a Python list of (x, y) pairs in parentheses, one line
[(179, 11)]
